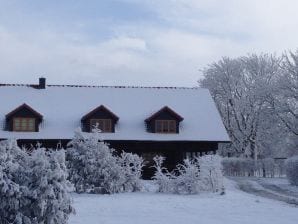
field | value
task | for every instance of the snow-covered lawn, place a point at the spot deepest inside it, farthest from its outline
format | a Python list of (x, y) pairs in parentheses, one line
[(236, 207), (272, 188), (280, 185)]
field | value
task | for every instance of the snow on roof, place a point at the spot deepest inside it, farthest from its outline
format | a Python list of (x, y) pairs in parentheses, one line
[(63, 107)]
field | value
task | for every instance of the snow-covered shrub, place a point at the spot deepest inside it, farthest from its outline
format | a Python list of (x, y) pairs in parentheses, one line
[(190, 177), (33, 188), (131, 165), (211, 176), (12, 161), (292, 170), (163, 178), (46, 173), (94, 167)]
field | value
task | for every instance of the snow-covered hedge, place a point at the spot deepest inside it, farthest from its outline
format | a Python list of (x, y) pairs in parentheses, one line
[(94, 167), (248, 167), (190, 177), (33, 188), (292, 170), (238, 166)]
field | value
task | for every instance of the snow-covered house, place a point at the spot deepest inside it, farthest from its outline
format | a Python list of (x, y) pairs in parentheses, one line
[(173, 122)]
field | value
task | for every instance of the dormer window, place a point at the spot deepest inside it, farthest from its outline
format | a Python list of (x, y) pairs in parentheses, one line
[(23, 124), (164, 121), (105, 125), (102, 118), (23, 119)]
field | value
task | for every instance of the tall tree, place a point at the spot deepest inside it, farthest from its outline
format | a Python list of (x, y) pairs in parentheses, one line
[(285, 97), (241, 88)]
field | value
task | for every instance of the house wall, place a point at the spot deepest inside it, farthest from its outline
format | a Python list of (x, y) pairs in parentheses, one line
[(173, 151)]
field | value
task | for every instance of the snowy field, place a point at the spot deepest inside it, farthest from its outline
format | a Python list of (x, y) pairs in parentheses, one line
[(236, 207)]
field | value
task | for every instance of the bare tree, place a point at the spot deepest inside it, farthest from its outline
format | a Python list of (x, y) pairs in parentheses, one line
[(285, 97), (242, 90)]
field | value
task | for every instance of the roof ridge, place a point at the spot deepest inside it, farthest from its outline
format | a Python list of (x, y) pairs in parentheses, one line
[(103, 86)]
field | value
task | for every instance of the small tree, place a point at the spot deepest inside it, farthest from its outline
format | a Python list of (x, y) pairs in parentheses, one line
[(211, 173), (49, 197), (132, 165), (161, 176), (33, 188), (94, 167), (188, 179), (11, 191)]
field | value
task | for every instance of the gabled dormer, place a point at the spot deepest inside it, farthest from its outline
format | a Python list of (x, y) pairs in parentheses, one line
[(23, 119), (102, 118), (164, 121)]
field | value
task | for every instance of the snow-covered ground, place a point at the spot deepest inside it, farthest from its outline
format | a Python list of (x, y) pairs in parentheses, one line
[(235, 207), (272, 188)]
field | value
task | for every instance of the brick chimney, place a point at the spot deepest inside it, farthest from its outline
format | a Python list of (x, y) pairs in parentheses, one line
[(42, 83)]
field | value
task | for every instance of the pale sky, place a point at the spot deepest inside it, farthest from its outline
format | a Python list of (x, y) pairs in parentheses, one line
[(131, 42)]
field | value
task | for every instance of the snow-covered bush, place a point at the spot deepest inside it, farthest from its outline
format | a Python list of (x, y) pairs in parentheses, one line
[(33, 188), (162, 177), (12, 161), (292, 170), (94, 167), (211, 173), (46, 173), (190, 177), (131, 165)]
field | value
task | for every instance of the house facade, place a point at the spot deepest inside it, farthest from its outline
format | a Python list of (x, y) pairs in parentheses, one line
[(173, 122)]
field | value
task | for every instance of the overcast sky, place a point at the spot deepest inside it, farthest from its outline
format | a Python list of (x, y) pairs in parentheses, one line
[(136, 42)]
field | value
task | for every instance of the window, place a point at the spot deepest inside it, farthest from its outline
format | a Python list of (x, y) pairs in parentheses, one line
[(23, 124), (165, 126), (105, 125)]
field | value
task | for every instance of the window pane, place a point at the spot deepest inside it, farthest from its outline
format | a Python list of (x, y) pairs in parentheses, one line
[(31, 124), (24, 124), (172, 126), (158, 126), (107, 126), (100, 125), (17, 121)]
